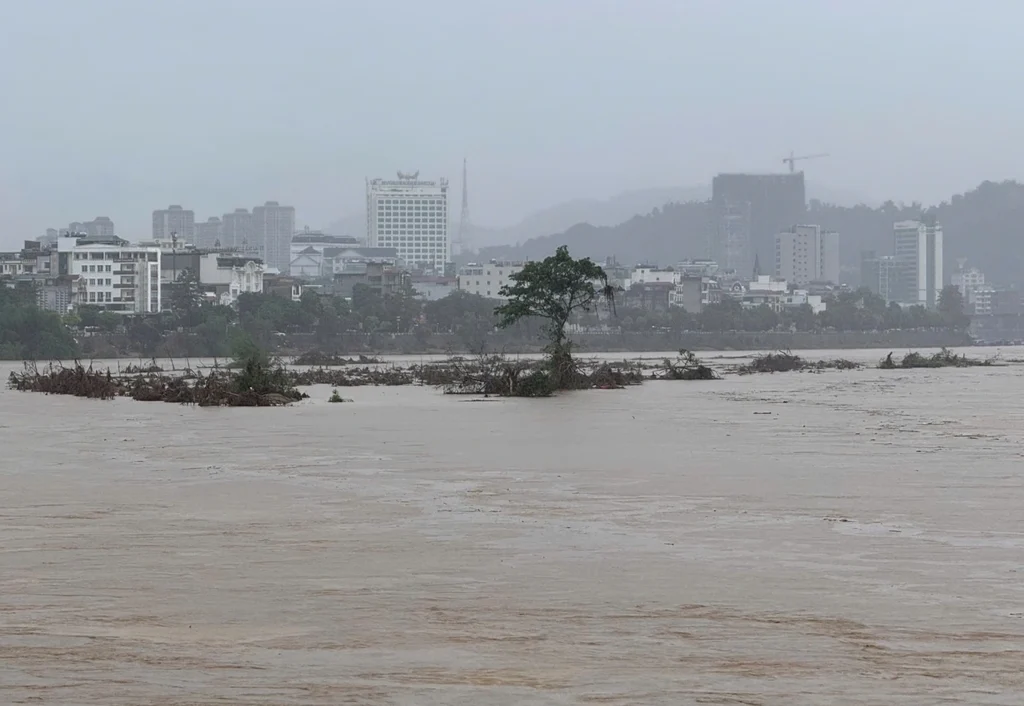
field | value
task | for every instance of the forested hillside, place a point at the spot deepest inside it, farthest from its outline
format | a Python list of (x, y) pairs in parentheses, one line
[(985, 225)]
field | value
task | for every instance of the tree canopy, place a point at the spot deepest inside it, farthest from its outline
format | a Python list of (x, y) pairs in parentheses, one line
[(553, 289), (28, 332)]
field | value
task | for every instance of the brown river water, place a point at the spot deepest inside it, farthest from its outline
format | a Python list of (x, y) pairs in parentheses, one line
[(837, 538)]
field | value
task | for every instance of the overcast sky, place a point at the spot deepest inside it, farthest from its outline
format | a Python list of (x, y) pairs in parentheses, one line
[(117, 107)]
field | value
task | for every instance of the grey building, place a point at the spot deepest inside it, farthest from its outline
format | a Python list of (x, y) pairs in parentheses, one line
[(272, 228), (879, 274), (209, 235), (174, 220), (748, 211), (236, 229), (99, 227)]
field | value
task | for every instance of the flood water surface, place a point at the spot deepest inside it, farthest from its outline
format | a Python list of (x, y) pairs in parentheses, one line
[(838, 538)]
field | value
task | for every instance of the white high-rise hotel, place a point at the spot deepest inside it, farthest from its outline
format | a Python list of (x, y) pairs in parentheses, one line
[(918, 259), (411, 216)]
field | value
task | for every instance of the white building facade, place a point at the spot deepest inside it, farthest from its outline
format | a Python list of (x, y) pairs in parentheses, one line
[(306, 258), (645, 274), (410, 215), (117, 277), (806, 253), (488, 279), (918, 260)]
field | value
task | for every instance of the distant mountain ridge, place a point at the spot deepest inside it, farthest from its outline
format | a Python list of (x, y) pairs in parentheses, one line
[(563, 216), (985, 225)]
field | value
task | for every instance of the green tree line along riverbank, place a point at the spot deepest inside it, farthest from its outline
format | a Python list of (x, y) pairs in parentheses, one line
[(460, 322)]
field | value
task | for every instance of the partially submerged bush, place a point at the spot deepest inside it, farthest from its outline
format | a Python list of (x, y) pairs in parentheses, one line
[(256, 385), (945, 358), (496, 375), (784, 362), (320, 358), (350, 377)]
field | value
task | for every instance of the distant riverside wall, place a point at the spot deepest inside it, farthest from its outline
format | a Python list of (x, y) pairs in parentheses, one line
[(182, 345), (773, 340)]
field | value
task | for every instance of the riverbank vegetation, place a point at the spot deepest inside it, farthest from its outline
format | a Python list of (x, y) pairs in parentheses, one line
[(28, 332)]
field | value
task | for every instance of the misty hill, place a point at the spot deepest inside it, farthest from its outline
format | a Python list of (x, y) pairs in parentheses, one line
[(985, 225), (554, 219), (561, 217)]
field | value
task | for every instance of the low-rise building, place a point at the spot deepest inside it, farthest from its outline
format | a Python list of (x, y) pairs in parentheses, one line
[(649, 296), (226, 276), (697, 268), (487, 280), (801, 297), (649, 274), (113, 274), (383, 278), (306, 255), (430, 289), (763, 291), (695, 292)]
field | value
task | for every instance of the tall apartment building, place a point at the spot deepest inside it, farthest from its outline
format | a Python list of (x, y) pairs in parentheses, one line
[(918, 256), (806, 253), (879, 274), (410, 215), (272, 228), (174, 220), (237, 229), (99, 227), (209, 234), (748, 210)]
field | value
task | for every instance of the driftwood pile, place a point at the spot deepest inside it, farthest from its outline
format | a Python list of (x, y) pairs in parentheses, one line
[(253, 386), (320, 358), (784, 362), (945, 358)]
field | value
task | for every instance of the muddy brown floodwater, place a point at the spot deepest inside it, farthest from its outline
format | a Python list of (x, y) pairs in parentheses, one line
[(837, 538)]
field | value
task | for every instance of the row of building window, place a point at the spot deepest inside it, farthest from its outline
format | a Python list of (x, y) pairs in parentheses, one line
[(95, 268), (97, 282), (98, 297), (115, 255), (410, 201)]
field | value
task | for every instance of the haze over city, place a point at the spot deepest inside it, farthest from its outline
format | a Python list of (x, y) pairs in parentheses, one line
[(117, 108)]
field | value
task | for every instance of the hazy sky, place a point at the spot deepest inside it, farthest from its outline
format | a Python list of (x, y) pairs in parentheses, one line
[(117, 107)]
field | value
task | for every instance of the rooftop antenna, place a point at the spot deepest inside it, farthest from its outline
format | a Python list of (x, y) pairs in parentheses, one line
[(461, 241)]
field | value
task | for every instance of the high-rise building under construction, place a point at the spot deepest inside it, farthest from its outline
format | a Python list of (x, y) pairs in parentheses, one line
[(749, 210)]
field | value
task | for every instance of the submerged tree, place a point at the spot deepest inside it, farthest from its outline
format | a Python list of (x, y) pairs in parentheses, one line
[(552, 289)]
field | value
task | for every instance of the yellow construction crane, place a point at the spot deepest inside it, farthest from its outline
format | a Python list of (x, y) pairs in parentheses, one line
[(791, 159)]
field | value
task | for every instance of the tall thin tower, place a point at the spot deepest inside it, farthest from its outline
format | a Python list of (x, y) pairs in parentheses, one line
[(461, 244)]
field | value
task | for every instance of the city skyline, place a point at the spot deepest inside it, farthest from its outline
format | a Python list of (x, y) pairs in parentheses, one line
[(270, 129)]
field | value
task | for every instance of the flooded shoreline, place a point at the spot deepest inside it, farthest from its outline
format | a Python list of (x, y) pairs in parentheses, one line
[(850, 537)]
